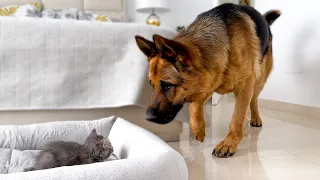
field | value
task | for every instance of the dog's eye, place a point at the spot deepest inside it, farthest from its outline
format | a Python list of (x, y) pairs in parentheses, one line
[(165, 86)]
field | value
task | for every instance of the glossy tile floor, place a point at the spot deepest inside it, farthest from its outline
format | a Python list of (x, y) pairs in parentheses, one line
[(286, 147)]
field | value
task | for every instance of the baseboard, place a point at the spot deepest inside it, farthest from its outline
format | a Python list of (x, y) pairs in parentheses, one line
[(290, 107), (283, 106)]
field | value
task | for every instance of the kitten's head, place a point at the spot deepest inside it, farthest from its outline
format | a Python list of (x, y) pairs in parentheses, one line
[(100, 147), (93, 137)]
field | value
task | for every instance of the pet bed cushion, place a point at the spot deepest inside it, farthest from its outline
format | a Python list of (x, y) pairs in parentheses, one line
[(13, 160), (33, 137), (19, 144), (142, 154)]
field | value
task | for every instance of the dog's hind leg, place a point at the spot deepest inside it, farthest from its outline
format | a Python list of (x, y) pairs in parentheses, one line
[(243, 96), (255, 117), (266, 68)]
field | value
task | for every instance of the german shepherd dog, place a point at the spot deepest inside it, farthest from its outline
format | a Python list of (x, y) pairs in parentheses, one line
[(226, 49)]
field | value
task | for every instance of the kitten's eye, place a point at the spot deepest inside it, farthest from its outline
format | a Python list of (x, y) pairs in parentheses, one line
[(165, 86)]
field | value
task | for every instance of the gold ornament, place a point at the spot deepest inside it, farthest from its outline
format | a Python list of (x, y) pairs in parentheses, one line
[(153, 20)]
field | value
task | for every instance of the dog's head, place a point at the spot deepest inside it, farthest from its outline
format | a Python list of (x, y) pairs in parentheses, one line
[(170, 76)]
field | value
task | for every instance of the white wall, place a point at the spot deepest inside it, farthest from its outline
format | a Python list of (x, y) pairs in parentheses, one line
[(182, 13), (296, 52)]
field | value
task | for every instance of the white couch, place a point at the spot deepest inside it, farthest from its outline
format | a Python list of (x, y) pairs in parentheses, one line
[(143, 156)]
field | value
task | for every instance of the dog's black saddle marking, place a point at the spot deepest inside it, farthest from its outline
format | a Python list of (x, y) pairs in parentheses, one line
[(231, 11)]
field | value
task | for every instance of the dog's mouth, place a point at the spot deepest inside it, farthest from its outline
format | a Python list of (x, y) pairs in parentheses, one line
[(164, 117)]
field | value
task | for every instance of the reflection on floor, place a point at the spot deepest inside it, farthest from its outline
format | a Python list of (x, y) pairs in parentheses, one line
[(286, 147)]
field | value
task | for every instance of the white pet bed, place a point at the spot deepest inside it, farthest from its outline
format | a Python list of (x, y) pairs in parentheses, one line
[(142, 154)]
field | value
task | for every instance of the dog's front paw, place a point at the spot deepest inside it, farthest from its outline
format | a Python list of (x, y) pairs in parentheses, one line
[(199, 132), (200, 136), (256, 122), (225, 148)]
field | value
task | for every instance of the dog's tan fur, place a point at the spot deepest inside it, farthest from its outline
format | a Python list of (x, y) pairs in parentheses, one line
[(207, 60)]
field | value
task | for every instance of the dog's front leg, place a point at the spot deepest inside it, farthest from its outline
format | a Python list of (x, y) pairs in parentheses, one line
[(243, 96), (197, 122)]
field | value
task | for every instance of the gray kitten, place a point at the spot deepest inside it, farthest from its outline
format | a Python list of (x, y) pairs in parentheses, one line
[(60, 153)]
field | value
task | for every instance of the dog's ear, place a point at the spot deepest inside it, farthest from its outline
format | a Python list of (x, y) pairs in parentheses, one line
[(172, 50), (147, 47)]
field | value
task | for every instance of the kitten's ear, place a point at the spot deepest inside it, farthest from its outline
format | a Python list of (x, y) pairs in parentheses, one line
[(92, 134)]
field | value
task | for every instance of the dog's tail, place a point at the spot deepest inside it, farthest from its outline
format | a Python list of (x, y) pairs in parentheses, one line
[(271, 16)]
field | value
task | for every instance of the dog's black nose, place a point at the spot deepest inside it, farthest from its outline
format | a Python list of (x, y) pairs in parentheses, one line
[(150, 115)]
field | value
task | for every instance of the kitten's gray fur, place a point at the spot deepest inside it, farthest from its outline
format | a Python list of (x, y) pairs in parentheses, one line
[(60, 153)]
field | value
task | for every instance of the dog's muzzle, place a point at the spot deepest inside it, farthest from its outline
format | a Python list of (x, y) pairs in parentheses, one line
[(164, 117)]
